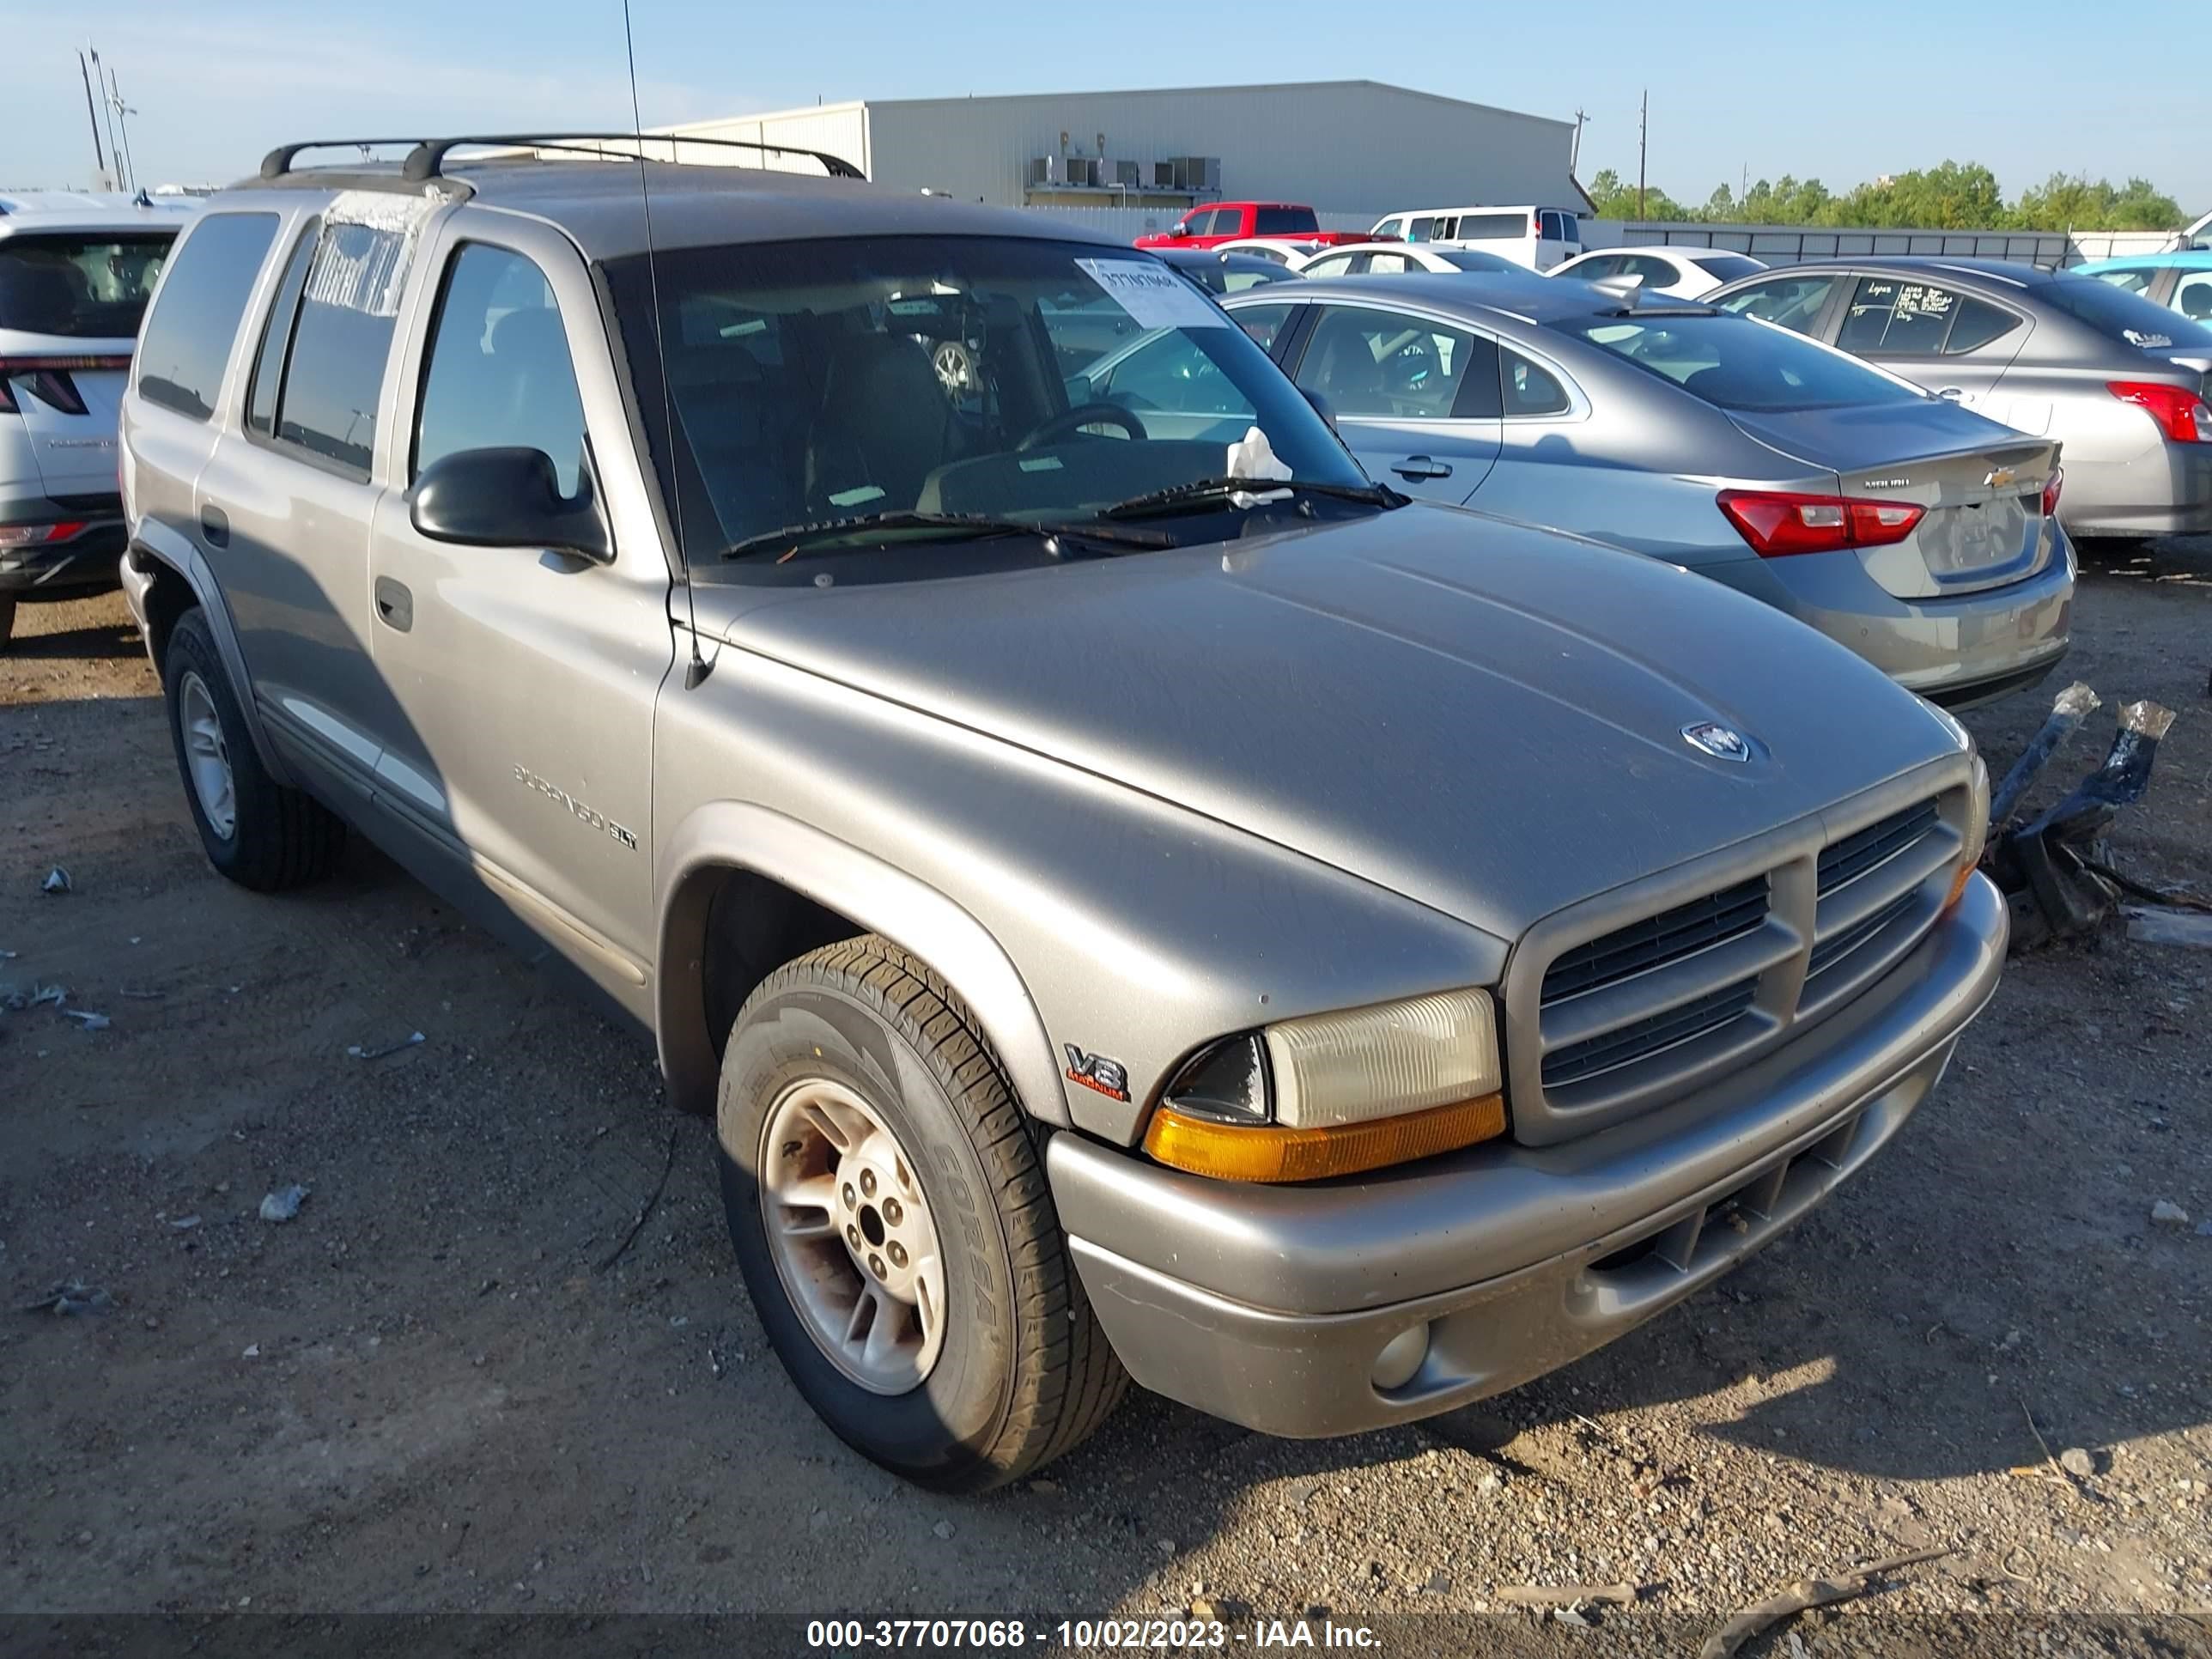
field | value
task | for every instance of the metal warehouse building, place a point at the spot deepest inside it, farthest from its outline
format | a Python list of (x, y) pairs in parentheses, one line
[(1354, 149)]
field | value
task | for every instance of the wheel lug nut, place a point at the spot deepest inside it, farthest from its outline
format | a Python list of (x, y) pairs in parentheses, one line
[(875, 1264), (847, 1195), (894, 1212), (853, 1235), (868, 1183), (897, 1254)]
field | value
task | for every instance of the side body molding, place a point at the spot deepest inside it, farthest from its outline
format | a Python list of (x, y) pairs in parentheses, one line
[(163, 543), (877, 896)]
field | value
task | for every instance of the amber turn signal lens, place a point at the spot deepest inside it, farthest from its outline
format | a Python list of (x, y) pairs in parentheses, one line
[(1959, 885), (1270, 1153)]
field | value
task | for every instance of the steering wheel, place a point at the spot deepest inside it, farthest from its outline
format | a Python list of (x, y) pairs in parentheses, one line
[(1075, 420)]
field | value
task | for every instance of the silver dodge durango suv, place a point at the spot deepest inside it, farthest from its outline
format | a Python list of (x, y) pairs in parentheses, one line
[(1137, 898)]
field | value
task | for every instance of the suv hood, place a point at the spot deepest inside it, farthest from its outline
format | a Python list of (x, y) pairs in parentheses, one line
[(1479, 715)]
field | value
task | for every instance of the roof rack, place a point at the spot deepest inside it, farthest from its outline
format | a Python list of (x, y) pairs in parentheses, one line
[(427, 156)]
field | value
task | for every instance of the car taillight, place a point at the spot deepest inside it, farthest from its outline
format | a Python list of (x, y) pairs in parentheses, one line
[(2180, 413), (2051, 492), (46, 377), (1777, 523), (37, 535)]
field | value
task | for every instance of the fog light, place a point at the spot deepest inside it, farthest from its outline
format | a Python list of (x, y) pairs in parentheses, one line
[(1400, 1357)]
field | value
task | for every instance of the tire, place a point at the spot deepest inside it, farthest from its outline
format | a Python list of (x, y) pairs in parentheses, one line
[(1022, 1372), (277, 838), (7, 619)]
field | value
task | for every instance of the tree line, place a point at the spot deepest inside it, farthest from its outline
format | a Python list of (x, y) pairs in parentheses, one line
[(1956, 195)]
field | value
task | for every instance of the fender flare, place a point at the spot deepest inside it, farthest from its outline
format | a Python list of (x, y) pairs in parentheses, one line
[(876, 897), (161, 544)]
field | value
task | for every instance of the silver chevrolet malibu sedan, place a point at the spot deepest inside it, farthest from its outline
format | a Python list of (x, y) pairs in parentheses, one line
[(1917, 533)]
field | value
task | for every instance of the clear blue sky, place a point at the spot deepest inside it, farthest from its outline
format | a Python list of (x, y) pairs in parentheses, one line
[(1839, 94)]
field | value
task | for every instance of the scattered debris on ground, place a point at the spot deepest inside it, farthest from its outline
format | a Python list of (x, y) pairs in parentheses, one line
[(284, 1203)]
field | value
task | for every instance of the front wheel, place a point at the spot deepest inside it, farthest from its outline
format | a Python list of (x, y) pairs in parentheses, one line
[(889, 1211)]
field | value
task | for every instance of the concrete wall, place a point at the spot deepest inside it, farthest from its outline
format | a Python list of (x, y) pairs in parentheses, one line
[(1349, 148)]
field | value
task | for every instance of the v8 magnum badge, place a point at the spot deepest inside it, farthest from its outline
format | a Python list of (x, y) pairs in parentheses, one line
[(1108, 1077)]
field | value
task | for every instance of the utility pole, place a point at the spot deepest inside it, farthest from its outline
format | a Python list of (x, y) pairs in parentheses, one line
[(92, 114), (1575, 153), (122, 114), (1642, 131), (114, 149)]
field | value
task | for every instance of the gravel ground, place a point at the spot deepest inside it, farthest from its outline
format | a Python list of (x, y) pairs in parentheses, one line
[(426, 1394)]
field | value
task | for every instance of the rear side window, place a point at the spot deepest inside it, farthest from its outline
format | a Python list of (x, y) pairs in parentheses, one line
[(335, 374), (1527, 389), (276, 335), (1333, 265), (1978, 324), (2193, 298), (187, 339), (1284, 221), (2118, 315), (1891, 317), (499, 372), (1794, 302), (91, 287), (1493, 227)]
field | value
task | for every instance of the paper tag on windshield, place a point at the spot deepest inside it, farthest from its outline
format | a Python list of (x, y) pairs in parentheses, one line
[(1155, 296)]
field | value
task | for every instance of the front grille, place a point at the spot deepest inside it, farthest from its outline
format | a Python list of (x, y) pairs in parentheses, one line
[(1853, 856), (1829, 951), (1653, 1035), (1657, 940), (1661, 1003)]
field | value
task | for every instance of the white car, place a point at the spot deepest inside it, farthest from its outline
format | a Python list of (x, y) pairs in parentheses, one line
[(75, 272), (1396, 259), (1283, 250), (1537, 238), (1680, 273)]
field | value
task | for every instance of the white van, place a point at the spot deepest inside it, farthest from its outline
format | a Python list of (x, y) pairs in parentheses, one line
[(1538, 238)]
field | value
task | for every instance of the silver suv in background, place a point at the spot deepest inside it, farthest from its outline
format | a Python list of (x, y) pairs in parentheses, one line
[(1137, 898), (74, 275)]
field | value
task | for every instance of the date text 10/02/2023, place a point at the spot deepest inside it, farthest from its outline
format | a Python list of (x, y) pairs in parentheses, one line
[(852, 1635)]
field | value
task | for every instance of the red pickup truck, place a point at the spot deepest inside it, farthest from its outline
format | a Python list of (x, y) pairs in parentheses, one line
[(1212, 224)]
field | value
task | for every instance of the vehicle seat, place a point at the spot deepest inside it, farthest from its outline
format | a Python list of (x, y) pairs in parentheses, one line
[(1349, 376), (725, 408), (886, 424), (530, 358)]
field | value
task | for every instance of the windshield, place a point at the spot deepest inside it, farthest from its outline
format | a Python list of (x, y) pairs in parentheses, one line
[(83, 286), (2119, 315), (1735, 362), (1039, 380)]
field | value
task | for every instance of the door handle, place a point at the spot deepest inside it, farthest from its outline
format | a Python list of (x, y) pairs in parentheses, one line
[(395, 605), (215, 525), (1951, 393), (1421, 467)]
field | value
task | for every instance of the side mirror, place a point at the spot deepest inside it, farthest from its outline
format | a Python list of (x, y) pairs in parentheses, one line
[(1178, 230), (507, 497), (1321, 406)]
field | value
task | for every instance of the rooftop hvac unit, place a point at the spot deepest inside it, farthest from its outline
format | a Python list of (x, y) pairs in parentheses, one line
[(1195, 173), (1081, 170), (1130, 175), (1047, 170)]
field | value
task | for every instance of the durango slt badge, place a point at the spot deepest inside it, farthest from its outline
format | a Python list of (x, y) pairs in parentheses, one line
[(1710, 737)]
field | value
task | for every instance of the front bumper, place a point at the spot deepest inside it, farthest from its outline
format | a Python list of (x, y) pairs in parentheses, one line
[(1269, 1305)]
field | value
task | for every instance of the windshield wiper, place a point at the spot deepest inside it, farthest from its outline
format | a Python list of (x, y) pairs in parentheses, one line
[(792, 537), (1204, 490)]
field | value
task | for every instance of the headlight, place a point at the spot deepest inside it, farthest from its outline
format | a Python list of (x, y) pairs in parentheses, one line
[(1335, 1094), (1976, 833)]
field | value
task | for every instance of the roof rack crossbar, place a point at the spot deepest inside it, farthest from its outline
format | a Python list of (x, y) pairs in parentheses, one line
[(427, 159), (278, 162)]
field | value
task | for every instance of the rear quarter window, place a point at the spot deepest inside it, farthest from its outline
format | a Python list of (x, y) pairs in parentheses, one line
[(187, 338)]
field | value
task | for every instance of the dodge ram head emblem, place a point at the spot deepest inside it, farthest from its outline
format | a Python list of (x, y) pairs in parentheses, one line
[(1710, 737)]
